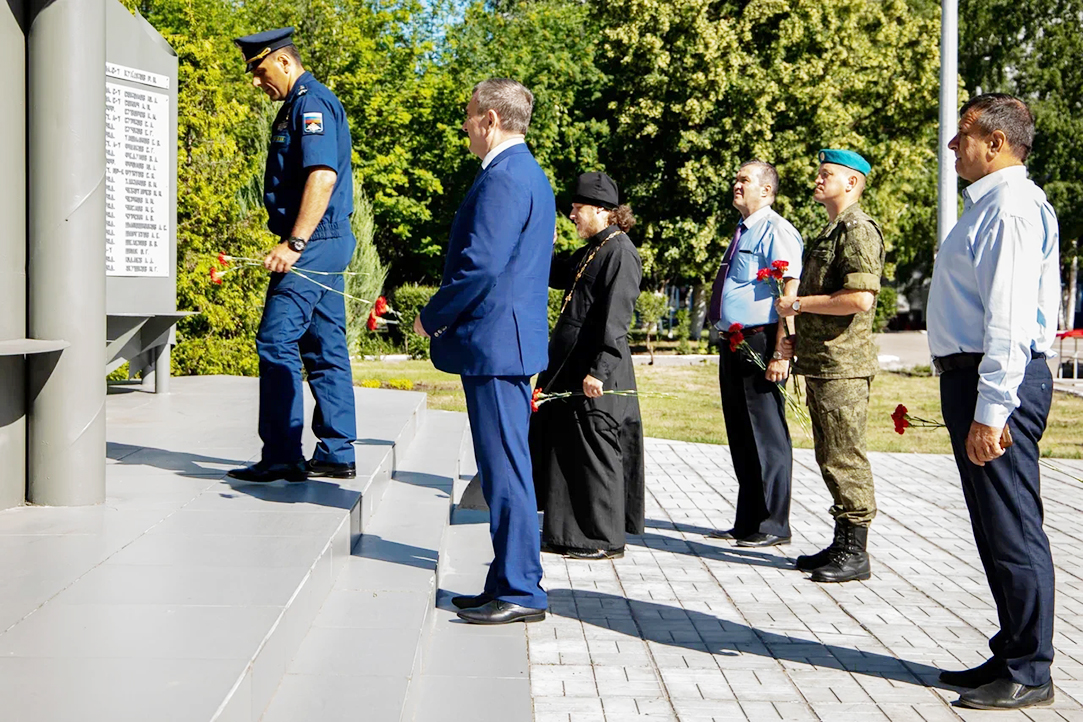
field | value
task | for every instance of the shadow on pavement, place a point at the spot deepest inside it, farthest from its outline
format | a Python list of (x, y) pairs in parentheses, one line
[(715, 551), (701, 632)]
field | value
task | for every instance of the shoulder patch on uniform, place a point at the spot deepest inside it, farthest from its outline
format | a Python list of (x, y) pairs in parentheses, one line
[(313, 123)]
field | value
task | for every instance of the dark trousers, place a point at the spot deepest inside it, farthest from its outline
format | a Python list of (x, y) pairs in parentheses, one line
[(304, 323), (499, 411), (1005, 503), (759, 438)]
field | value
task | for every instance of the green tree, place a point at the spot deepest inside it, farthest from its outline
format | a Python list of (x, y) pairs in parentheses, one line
[(701, 85)]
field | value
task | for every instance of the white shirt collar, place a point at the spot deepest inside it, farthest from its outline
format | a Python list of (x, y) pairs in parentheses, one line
[(756, 217), (979, 188), (492, 154)]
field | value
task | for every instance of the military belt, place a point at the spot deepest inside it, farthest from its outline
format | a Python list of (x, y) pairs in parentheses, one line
[(966, 361)]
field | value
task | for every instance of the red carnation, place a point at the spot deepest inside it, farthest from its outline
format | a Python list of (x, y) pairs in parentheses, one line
[(780, 265), (372, 323), (224, 259), (380, 307), (763, 274), (899, 417), (216, 276), (777, 273), (736, 337), (535, 399)]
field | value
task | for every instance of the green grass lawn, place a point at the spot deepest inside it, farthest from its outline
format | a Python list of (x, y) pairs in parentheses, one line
[(691, 411)]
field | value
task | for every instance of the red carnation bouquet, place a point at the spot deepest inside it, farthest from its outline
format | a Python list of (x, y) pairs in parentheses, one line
[(904, 420), (738, 342), (774, 275), (380, 308)]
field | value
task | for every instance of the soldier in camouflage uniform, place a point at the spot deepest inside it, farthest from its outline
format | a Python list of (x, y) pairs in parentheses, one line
[(836, 354)]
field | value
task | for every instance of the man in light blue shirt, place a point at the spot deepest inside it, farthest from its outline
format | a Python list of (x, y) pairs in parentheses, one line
[(752, 402), (992, 319)]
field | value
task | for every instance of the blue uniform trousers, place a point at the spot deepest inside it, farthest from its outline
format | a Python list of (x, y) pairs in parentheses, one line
[(1005, 503), (303, 322), (499, 411)]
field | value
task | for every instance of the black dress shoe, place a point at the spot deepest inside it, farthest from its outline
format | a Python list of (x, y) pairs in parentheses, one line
[(988, 671), (594, 554), (331, 470), (263, 472), (468, 602), (501, 612), (763, 540), (1006, 694), (722, 534)]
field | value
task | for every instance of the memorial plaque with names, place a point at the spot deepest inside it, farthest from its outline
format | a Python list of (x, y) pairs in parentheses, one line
[(136, 181)]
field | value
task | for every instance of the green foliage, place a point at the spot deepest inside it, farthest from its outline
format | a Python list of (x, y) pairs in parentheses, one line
[(701, 85), (409, 300), (365, 280), (650, 307), (556, 300), (886, 308), (681, 329)]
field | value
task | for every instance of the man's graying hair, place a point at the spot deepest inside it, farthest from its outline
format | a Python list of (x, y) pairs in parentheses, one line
[(1006, 113), (767, 174), (511, 101)]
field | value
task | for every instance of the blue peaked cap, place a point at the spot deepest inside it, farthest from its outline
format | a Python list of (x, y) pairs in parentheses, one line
[(847, 158), (255, 48)]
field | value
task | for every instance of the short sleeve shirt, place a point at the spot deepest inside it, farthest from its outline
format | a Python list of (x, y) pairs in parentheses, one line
[(310, 131), (847, 255)]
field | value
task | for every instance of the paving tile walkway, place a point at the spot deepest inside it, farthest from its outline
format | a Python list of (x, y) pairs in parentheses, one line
[(690, 629)]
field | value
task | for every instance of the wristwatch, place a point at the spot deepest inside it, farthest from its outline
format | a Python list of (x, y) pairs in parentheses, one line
[(296, 243), (777, 356), (796, 305)]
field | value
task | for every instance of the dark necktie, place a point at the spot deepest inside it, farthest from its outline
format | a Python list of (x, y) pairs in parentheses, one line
[(714, 311)]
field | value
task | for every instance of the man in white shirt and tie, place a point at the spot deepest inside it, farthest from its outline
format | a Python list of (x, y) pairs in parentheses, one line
[(752, 401), (992, 318)]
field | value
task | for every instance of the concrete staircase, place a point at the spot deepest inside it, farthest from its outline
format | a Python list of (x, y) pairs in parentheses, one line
[(387, 646), (191, 597)]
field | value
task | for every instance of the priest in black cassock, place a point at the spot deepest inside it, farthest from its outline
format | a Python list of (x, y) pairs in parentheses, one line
[(587, 449)]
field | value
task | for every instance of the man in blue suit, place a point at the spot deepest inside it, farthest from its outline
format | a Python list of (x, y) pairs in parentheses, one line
[(488, 323)]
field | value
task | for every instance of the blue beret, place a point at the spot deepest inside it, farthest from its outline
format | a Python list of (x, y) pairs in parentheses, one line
[(847, 158), (254, 48)]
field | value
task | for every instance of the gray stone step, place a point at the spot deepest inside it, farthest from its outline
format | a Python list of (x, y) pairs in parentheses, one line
[(184, 596), (363, 653), (469, 673)]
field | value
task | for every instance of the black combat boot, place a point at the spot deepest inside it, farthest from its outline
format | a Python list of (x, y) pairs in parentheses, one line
[(851, 562), (809, 562)]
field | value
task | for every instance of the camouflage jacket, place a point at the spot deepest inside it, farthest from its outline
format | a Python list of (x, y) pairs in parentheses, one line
[(848, 254)]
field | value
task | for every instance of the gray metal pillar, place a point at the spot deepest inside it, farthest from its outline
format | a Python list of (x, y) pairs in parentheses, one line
[(947, 186), (162, 368), (13, 253), (66, 83)]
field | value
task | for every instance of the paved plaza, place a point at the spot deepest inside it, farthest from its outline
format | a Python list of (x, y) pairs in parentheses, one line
[(692, 629)]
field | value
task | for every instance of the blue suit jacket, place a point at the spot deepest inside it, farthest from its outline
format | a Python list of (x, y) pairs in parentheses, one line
[(490, 316)]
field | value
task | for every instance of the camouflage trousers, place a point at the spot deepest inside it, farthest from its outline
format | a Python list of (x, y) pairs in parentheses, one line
[(839, 409)]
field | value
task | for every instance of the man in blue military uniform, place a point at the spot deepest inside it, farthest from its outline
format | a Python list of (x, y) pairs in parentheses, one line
[(308, 192)]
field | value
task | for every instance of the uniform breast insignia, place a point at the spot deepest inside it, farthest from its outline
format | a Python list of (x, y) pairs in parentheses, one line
[(284, 125), (278, 138), (313, 123)]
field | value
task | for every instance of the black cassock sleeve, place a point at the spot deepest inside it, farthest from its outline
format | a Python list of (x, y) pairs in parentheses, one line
[(617, 288), (562, 269)]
